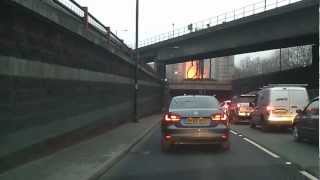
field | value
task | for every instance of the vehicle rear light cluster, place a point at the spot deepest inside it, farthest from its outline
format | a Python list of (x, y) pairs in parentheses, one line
[(225, 136), (218, 117), (170, 117), (269, 108), (167, 137)]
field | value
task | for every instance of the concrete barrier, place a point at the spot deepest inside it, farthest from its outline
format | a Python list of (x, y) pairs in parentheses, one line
[(56, 78)]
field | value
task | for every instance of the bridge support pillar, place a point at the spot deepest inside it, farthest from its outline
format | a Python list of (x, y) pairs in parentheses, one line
[(315, 60), (161, 69)]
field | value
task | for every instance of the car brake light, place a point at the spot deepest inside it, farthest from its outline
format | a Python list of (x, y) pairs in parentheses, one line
[(269, 108), (218, 117), (169, 117), (167, 137), (225, 136)]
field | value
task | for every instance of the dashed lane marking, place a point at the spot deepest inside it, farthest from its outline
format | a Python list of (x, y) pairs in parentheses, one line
[(262, 148), (308, 175), (233, 132)]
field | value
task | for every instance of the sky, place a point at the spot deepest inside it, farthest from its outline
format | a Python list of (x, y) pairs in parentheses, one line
[(157, 16)]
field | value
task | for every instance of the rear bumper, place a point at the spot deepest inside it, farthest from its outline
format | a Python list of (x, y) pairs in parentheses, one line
[(242, 118), (215, 135), (280, 121), (196, 140)]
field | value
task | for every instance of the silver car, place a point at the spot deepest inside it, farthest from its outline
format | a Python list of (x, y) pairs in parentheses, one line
[(194, 120)]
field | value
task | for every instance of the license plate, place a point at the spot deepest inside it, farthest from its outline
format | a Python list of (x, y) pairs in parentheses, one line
[(197, 121)]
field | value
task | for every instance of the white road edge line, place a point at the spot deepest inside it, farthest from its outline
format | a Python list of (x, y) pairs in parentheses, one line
[(233, 132), (262, 148), (308, 175)]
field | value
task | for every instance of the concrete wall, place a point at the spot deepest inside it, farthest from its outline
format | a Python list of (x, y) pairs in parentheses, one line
[(54, 80)]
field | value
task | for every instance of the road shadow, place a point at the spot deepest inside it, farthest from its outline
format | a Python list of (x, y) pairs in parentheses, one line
[(278, 130), (197, 149), (241, 123)]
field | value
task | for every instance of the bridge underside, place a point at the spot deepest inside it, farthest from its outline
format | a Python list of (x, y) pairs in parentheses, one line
[(222, 90), (292, 25)]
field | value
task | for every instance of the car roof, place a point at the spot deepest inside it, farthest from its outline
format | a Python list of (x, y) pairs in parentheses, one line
[(286, 87), (177, 97), (191, 96), (247, 95)]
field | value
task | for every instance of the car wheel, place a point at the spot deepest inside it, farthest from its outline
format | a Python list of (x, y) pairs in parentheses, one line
[(264, 126), (252, 125), (226, 146), (234, 120), (165, 146), (295, 133)]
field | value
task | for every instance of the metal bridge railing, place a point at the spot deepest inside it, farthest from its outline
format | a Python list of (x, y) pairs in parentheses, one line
[(245, 11), (92, 23)]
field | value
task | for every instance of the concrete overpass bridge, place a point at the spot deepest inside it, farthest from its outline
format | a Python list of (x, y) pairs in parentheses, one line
[(291, 24)]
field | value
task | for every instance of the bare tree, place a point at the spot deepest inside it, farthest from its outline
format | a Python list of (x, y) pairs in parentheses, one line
[(293, 57)]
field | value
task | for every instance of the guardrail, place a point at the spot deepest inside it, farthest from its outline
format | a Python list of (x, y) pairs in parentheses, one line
[(93, 23), (245, 11)]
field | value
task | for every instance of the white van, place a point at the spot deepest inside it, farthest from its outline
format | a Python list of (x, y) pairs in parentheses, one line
[(276, 105)]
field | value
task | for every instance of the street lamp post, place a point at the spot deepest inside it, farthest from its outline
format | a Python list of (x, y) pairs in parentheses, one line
[(136, 85), (172, 30), (280, 63)]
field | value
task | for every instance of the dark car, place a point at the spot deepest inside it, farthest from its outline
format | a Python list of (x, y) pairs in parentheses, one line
[(241, 108), (306, 123), (194, 120)]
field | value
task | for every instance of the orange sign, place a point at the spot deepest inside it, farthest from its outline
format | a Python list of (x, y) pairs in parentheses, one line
[(191, 70)]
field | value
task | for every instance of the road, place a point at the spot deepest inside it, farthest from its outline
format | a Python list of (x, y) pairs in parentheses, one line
[(304, 154), (243, 161)]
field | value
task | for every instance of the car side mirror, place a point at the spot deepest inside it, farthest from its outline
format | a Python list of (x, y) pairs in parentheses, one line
[(299, 111), (252, 105)]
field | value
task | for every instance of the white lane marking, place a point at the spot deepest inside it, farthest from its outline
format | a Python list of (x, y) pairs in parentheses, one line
[(233, 132), (262, 148), (308, 175), (240, 135), (288, 163)]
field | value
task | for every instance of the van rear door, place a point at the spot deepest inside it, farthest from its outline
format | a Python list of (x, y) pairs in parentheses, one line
[(280, 101), (298, 99)]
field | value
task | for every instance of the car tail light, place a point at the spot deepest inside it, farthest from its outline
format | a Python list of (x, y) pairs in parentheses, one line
[(269, 108), (238, 105), (225, 136), (171, 118), (167, 137), (218, 117)]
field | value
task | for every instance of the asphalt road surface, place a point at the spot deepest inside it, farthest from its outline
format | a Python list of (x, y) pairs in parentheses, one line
[(305, 154), (245, 160)]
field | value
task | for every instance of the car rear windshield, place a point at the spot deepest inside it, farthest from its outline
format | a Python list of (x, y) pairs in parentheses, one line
[(194, 102)]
